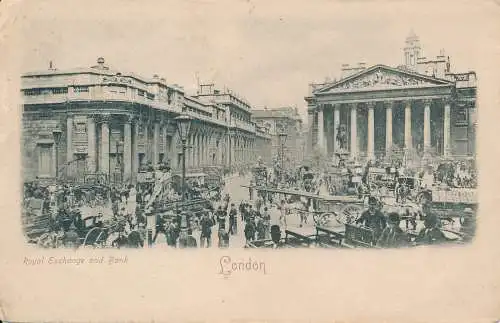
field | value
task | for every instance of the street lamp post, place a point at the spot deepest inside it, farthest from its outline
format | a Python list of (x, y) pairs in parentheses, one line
[(183, 126), (57, 137), (282, 139)]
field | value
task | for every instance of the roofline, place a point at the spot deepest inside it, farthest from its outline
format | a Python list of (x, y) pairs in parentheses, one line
[(394, 69), (93, 71)]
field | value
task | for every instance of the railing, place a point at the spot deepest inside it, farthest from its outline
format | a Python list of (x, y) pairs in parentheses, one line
[(243, 125)]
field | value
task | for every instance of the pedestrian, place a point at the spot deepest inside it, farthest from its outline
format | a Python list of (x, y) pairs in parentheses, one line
[(233, 225), (206, 231), (393, 236), (430, 234), (275, 235), (261, 228), (250, 231), (223, 239), (221, 218), (372, 218), (283, 212), (242, 210), (250, 190), (266, 217)]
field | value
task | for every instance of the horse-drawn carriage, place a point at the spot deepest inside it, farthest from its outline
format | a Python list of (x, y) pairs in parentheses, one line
[(324, 208)]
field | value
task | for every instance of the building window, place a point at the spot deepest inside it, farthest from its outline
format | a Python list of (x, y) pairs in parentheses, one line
[(60, 90), (151, 96), (140, 93), (32, 92), (45, 160), (462, 116), (81, 89)]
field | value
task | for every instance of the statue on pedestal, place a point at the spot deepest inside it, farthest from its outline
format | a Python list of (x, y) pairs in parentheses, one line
[(342, 137)]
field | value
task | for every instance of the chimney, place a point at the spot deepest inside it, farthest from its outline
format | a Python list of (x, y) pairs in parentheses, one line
[(155, 76)]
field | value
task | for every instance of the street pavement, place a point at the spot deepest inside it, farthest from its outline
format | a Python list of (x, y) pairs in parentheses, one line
[(237, 193)]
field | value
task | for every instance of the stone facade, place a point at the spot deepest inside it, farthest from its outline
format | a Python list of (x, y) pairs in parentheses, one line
[(289, 120), (113, 124), (421, 107)]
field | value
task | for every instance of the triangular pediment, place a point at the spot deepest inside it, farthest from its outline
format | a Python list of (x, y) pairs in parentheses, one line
[(380, 77)]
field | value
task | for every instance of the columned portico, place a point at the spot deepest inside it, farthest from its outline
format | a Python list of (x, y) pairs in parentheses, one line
[(407, 98)]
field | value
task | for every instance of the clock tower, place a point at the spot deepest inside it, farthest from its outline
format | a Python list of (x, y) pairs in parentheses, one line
[(412, 51)]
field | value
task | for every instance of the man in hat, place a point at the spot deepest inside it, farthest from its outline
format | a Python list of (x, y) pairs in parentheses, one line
[(392, 236), (71, 238), (431, 234), (373, 218), (275, 235), (232, 220), (468, 224), (221, 218), (206, 224)]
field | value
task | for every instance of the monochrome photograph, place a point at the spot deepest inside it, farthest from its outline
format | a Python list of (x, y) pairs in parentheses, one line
[(364, 152), (292, 161)]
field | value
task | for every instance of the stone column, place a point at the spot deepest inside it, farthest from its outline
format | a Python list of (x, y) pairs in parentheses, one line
[(156, 143), (228, 150), (104, 164), (354, 131), (199, 151), (447, 128), (145, 135), (427, 125), (190, 151), (135, 155), (204, 147), (388, 127), (127, 149), (336, 125), (69, 140), (321, 129), (370, 148), (408, 138), (195, 151), (91, 145), (165, 140)]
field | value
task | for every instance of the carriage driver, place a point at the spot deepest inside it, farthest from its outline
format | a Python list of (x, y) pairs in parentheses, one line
[(373, 218)]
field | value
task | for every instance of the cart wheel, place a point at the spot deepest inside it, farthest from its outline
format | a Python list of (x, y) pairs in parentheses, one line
[(349, 214), (92, 236), (324, 219)]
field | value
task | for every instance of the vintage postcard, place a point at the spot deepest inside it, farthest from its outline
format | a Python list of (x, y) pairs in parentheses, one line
[(218, 160)]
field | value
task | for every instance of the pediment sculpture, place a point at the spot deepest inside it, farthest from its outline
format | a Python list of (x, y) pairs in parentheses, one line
[(381, 79)]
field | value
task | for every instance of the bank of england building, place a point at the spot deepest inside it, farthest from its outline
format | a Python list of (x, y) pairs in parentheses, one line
[(99, 121), (422, 108)]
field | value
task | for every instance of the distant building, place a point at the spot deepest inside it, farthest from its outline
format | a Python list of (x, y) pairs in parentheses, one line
[(420, 106), (289, 120), (112, 124)]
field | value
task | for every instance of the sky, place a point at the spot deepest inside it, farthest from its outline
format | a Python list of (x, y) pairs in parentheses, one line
[(266, 51)]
